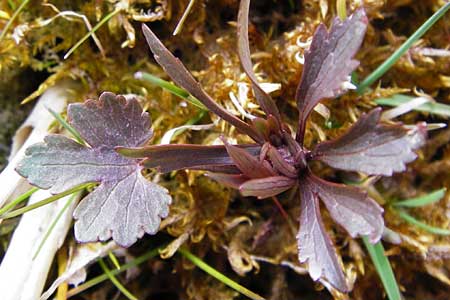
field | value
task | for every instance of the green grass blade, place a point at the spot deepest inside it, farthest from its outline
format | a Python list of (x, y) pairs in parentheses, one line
[(431, 229), (96, 280), (18, 200), (96, 27), (114, 260), (384, 269), (422, 200), (341, 7), (67, 126), (48, 200), (219, 276), (430, 107), (170, 87), (53, 224), (115, 281), (14, 16), (385, 66)]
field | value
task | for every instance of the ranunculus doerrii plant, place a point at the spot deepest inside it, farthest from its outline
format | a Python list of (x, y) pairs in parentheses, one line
[(125, 205)]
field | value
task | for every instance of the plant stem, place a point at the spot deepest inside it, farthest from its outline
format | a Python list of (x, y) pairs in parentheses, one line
[(172, 88), (219, 276), (183, 17), (18, 200), (53, 224), (422, 200), (96, 27), (67, 126), (14, 16), (94, 281), (115, 281), (383, 268), (384, 67), (341, 8), (431, 229), (48, 200)]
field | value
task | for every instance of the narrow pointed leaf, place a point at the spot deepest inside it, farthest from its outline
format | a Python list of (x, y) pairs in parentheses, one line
[(431, 107), (384, 269), (182, 77), (225, 169), (231, 180), (169, 158), (410, 219), (350, 207), (249, 165), (371, 147), (314, 245), (280, 164), (422, 200), (266, 187), (264, 100), (328, 63), (124, 205)]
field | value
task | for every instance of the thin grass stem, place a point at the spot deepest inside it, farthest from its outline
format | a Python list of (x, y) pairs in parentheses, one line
[(67, 126), (115, 281), (46, 201), (53, 224), (96, 27), (219, 276), (18, 200), (14, 16), (422, 200), (114, 260), (386, 65), (431, 229), (96, 280), (170, 87), (384, 269)]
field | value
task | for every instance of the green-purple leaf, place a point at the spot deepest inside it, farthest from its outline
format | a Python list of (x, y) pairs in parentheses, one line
[(371, 147), (328, 63), (125, 204), (314, 245)]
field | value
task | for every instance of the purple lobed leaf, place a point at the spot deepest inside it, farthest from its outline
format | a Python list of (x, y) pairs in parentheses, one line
[(350, 207), (60, 163), (110, 121), (371, 147), (124, 205), (125, 210), (328, 63), (314, 245)]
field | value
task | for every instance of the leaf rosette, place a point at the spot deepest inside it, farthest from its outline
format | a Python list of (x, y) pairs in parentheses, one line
[(125, 204), (282, 161)]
